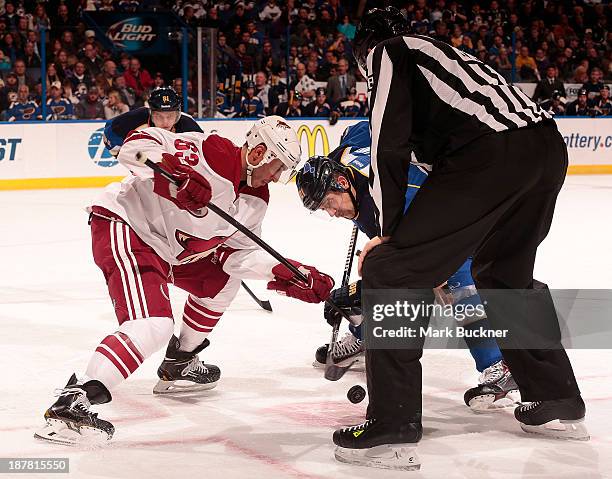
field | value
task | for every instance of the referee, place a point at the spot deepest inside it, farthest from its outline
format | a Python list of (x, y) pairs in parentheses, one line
[(498, 165)]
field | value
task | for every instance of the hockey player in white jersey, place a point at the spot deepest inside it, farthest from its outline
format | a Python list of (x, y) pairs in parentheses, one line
[(147, 232)]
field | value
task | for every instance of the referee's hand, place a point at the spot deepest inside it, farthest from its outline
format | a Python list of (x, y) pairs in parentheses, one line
[(369, 246)]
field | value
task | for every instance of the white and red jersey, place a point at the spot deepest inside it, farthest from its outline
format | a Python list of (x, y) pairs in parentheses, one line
[(176, 235)]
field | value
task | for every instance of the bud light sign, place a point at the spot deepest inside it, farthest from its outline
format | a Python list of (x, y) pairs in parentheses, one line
[(145, 34), (133, 34)]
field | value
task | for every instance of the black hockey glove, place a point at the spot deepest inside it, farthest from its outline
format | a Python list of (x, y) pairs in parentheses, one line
[(347, 298)]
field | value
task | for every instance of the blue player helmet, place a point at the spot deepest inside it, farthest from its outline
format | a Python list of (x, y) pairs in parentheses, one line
[(317, 178), (377, 25)]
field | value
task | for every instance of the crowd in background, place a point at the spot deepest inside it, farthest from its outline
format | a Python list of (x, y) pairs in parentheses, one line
[(260, 44)]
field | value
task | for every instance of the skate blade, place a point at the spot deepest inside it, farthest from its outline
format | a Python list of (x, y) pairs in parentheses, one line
[(487, 402), (178, 387), (388, 456), (574, 430), (57, 431)]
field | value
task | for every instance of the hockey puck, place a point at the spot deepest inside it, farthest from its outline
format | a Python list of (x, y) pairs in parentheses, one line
[(356, 394)]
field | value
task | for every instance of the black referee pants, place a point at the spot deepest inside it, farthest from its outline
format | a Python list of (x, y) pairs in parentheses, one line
[(493, 199)]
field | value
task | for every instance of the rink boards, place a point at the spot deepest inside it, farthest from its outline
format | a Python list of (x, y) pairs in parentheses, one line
[(72, 154)]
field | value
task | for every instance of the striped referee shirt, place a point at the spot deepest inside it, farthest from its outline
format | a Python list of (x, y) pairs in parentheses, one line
[(428, 97)]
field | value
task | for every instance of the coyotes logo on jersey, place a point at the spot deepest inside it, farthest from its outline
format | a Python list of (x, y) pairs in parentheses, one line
[(194, 248)]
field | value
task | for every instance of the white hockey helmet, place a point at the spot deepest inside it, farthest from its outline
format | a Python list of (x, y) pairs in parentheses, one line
[(281, 142)]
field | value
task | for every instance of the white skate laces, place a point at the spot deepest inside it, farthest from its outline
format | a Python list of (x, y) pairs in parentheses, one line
[(194, 368), (530, 406), (358, 427), (81, 402), (347, 346), (492, 374)]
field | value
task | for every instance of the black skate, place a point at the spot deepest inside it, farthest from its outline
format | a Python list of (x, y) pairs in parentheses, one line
[(350, 351), (183, 371), (496, 389), (377, 444), (559, 418), (69, 420)]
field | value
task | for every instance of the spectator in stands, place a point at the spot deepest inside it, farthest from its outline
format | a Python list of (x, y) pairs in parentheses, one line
[(8, 93), (330, 61), (114, 105), (580, 74), (320, 107), (68, 92), (30, 57), (601, 105), (338, 86), (270, 12), (303, 84), (23, 78), (52, 75), (555, 105), (594, 85), (191, 102), (251, 48), (23, 109), (548, 85), (349, 106), (579, 107), (265, 93), (91, 60), (212, 19), (347, 28), (39, 19), (80, 80), (5, 62), (9, 47), (292, 107), (158, 80), (10, 16), (312, 70), (264, 55), (247, 61), (526, 65), (136, 78), (68, 42), (542, 62), (467, 46), (90, 107), (128, 95), (107, 75), (251, 106), (63, 20), (58, 106)]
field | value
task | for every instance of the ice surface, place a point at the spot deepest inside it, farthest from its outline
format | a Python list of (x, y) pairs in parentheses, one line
[(272, 414)]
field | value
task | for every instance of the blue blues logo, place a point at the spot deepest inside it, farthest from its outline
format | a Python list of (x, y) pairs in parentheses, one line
[(133, 34), (98, 151)]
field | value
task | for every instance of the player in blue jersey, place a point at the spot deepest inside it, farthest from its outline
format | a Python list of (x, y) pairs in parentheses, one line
[(164, 112), (338, 184)]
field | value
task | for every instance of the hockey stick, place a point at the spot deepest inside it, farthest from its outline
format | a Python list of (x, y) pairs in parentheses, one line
[(333, 372), (141, 158), (263, 304)]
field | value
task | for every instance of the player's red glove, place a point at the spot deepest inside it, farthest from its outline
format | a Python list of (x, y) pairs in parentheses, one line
[(314, 291), (193, 192)]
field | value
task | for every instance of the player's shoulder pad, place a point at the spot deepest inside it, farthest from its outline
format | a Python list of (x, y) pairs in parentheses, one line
[(187, 123), (263, 192), (223, 157)]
